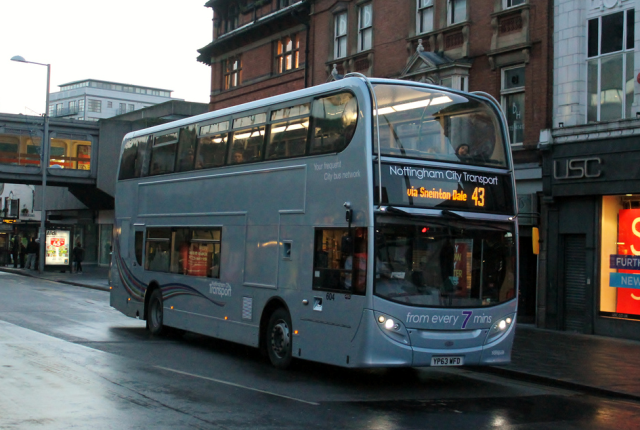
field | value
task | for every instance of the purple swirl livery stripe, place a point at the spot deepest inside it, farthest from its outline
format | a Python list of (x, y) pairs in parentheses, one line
[(137, 288), (173, 290), (134, 286)]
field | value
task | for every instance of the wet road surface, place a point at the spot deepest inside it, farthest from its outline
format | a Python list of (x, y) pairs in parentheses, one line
[(68, 360)]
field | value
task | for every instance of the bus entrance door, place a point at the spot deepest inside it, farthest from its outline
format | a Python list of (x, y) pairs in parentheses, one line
[(138, 250), (330, 322)]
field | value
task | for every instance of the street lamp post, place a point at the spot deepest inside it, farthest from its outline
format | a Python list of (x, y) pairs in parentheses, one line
[(44, 164)]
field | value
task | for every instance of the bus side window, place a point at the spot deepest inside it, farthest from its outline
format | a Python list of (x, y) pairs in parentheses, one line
[(180, 240), (204, 252), (163, 154), (247, 143), (134, 158), (157, 256), (128, 161), (142, 159), (334, 120), (211, 151), (186, 149), (340, 259), (288, 138), (246, 146), (212, 145)]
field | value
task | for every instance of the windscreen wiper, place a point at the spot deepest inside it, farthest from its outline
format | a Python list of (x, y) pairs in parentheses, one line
[(448, 213), (394, 210)]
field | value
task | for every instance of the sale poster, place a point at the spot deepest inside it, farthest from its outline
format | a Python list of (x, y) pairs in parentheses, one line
[(57, 247), (199, 259), (628, 300)]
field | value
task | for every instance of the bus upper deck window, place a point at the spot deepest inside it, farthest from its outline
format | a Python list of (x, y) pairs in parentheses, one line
[(247, 143), (288, 137), (134, 156), (429, 123), (334, 122), (128, 159), (211, 151), (186, 149), (163, 154), (212, 145)]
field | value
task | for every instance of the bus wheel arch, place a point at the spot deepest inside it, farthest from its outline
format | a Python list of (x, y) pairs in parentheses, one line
[(276, 318)]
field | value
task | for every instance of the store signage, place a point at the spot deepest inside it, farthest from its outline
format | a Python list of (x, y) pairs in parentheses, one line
[(9, 221), (625, 280), (624, 262), (577, 168), (627, 263), (433, 187), (57, 247)]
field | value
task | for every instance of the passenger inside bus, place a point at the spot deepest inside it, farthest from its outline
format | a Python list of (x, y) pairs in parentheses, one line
[(462, 151), (238, 157)]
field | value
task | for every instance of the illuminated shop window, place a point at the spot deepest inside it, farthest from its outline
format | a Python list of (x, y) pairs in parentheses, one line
[(620, 257)]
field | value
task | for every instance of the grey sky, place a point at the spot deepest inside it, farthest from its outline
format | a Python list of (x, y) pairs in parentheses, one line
[(139, 42)]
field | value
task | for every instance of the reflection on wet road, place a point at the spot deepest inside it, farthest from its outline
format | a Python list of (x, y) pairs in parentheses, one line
[(68, 360)]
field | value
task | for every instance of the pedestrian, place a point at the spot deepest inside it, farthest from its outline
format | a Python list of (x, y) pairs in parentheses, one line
[(32, 254), (78, 256), (15, 251), (23, 254)]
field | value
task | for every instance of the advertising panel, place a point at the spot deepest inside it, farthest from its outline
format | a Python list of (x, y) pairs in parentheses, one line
[(58, 247), (199, 259)]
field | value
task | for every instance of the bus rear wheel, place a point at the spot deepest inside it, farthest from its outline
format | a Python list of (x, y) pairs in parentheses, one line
[(279, 339), (155, 314)]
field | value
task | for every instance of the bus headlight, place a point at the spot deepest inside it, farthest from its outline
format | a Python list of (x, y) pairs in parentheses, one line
[(393, 328), (390, 324), (499, 328)]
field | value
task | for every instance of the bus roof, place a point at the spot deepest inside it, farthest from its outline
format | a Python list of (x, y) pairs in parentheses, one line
[(348, 82)]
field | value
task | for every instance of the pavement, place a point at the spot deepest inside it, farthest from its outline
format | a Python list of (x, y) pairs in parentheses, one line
[(92, 276), (597, 365)]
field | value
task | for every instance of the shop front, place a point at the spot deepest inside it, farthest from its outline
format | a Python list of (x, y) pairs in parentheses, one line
[(591, 245)]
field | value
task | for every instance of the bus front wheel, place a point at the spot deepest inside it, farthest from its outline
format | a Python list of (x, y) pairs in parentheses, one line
[(155, 314), (279, 339)]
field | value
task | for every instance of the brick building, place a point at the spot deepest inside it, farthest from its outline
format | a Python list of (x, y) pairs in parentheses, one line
[(502, 47)]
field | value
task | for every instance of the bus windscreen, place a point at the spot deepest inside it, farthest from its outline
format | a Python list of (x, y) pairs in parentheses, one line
[(425, 123), (425, 263)]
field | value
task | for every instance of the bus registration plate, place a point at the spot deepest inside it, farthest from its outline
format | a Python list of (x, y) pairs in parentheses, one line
[(447, 361)]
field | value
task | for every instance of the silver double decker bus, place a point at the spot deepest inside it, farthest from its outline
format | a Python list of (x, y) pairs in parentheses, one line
[(359, 223)]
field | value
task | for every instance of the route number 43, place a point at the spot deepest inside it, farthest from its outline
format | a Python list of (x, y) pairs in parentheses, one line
[(478, 196)]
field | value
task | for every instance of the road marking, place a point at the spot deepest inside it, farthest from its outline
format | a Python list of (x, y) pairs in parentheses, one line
[(238, 385)]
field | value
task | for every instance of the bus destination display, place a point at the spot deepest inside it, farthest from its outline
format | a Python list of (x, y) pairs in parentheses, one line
[(432, 187)]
